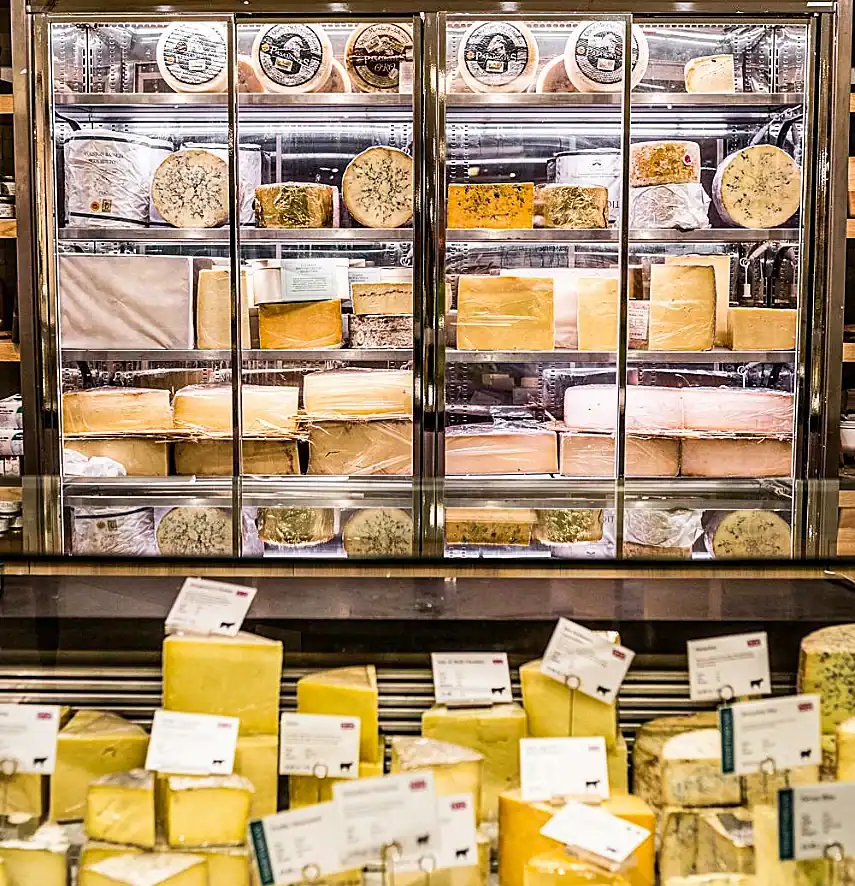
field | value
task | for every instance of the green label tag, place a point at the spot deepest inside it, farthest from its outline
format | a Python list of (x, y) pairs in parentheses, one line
[(786, 825), (262, 854), (725, 723)]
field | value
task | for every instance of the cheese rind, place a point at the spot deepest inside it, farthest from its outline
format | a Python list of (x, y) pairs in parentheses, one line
[(110, 410), (210, 810), (740, 410), (374, 54), (292, 57), (214, 458), (597, 313), (826, 666), (682, 308), (139, 457), (751, 533), (296, 205), (732, 457), (711, 75), (593, 455), (120, 809), (664, 163), (148, 869), (387, 299), (488, 449), (553, 77), (377, 187), (300, 325), (267, 409), (721, 265), (726, 842), (358, 393), (499, 206), (691, 771), (378, 532), (572, 206), (356, 448), (190, 189), (594, 53), (488, 526), (192, 57), (762, 329), (498, 56), (41, 859)]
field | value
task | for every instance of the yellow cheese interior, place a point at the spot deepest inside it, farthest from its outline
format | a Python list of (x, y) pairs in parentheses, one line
[(682, 308), (296, 325), (721, 265), (306, 790), (558, 868), (227, 865), (762, 329), (34, 867), (139, 457), (500, 206), (23, 793), (202, 815), (257, 759), (617, 761), (597, 312), (151, 869), (94, 851), (120, 809)]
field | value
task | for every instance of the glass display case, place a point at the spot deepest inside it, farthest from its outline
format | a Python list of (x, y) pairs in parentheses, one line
[(434, 283)]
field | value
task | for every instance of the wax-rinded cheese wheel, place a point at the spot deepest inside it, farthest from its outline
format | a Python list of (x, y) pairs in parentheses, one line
[(711, 74), (499, 206), (682, 307), (358, 393), (757, 187), (553, 77), (730, 457), (296, 205), (374, 54), (190, 189), (377, 187), (192, 57), (593, 455), (826, 667), (664, 163), (378, 532), (208, 408), (498, 56), (750, 534), (593, 56), (115, 411), (485, 449), (338, 81), (292, 57), (247, 78)]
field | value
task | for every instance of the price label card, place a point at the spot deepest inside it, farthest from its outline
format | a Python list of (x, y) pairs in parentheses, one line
[(817, 821), (376, 813), (320, 745), (296, 847), (192, 744), (314, 279), (584, 660), (210, 607), (458, 842), (553, 768), (28, 735), (727, 667), (594, 832), (471, 678), (770, 735)]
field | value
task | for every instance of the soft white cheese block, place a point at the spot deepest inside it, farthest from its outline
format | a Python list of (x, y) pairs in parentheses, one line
[(358, 393), (682, 308), (691, 771), (498, 56), (593, 455), (292, 57), (721, 265), (126, 301), (214, 310), (267, 409), (192, 57), (733, 457), (488, 449), (711, 74), (115, 411)]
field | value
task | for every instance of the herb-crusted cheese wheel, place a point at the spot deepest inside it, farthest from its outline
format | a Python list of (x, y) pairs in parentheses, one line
[(374, 53), (292, 57), (571, 206), (711, 75), (377, 188), (553, 77), (192, 57), (593, 56), (751, 534), (757, 187), (296, 205), (498, 56), (378, 532), (190, 189), (664, 163)]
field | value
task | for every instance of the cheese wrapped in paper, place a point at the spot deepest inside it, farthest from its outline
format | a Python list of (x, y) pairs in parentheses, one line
[(296, 205), (351, 448), (573, 206)]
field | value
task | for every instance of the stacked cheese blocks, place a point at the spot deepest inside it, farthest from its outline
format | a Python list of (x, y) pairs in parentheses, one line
[(382, 312)]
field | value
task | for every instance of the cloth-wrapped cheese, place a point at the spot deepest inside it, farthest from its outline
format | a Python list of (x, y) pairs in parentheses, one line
[(296, 205)]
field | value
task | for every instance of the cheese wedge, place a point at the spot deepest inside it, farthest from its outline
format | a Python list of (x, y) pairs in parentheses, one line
[(691, 771), (115, 411), (762, 329), (24, 794), (40, 860), (300, 325), (721, 266), (257, 760), (358, 393), (711, 74), (771, 871), (682, 308), (207, 811), (307, 790), (149, 869), (120, 809), (617, 761), (597, 312), (726, 841), (826, 666), (94, 851)]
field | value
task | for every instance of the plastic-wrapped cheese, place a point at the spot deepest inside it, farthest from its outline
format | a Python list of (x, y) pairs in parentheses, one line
[(497, 206), (292, 57), (757, 187), (386, 299), (682, 308), (771, 329), (214, 310), (190, 189), (553, 77), (684, 207), (296, 205), (488, 526), (192, 57), (750, 533), (498, 56), (597, 313), (711, 74), (378, 532), (593, 455), (296, 527), (139, 457), (300, 325), (735, 457), (648, 408), (358, 393), (561, 526), (740, 410), (207, 409), (374, 54), (377, 187), (721, 265), (351, 448), (664, 163), (115, 411), (495, 449), (572, 206), (594, 56), (214, 458)]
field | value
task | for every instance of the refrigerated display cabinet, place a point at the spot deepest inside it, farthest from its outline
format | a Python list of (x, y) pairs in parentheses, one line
[(652, 372)]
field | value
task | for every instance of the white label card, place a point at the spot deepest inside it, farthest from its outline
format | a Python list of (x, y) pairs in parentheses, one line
[(458, 842), (314, 279), (377, 813), (28, 734), (817, 821), (192, 744), (584, 660), (320, 745), (595, 832), (553, 768), (728, 667), (210, 607), (297, 846), (772, 735), (471, 678)]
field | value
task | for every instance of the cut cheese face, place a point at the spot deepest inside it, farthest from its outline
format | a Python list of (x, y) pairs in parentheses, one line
[(210, 810), (617, 762), (94, 851), (597, 300), (380, 332), (845, 750), (678, 836), (257, 760), (682, 308), (214, 458), (752, 533), (664, 163), (593, 455), (572, 206), (307, 790), (505, 313), (498, 56), (23, 794), (386, 299), (569, 525), (300, 325), (691, 771), (192, 57), (732, 457), (359, 393), (726, 841), (374, 54), (558, 868), (826, 666), (297, 205), (227, 865), (149, 869), (207, 409), (485, 449), (357, 448), (214, 310), (296, 527), (489, 526), (41, 859), (738, 410), (648, 409), (190, 189), (721, 265), (499, 206), (345, 692), (139, 458), (377, 188), (120, 809), (115, 411), (378, 532), (770, 870), (711, 75), (228, 676), (494, 733), (830, 761), (91, 745), (762, 329), (292, 57)]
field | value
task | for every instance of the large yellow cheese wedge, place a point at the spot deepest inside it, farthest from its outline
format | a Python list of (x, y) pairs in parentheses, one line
[(94, 851), (597, 312), (559, 868), (345, 692), (682, 307), (92, 744), (617, 761), (40, 860), (257, 759), (120, 809), (827, 667), (229, 676), (148, 869), (494, 733), (520, 839), (456, 769), (721, 266), (307, 790), (762, 329), (227, 865), (556, 711), (208, 810), (770, 870)]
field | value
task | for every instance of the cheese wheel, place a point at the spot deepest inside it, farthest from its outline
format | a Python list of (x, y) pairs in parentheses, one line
[(296, 205), (593, 56), (751, 533), (498, 56), (757, 187), (207, 409), (378, 532), (553, 77), (292, 57), (192, 57), (456, 83), (377, 188), (374, 54), (190, 189), (664, 163), (247, 78), (115, 411), (338, 81), (711, 75)]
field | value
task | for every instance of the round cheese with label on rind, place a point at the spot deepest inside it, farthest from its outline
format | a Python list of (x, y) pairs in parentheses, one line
[(749, 533), (190, 189), (593, 56), (192, 57), (247, 77), (553, 77), (757, 187), (377, 187), (374, 53), (664, 163), (338, 81), (292, 57), (498, 56)]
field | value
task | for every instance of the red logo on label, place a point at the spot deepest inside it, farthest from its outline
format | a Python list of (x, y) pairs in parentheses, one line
[(460, 804), (347, 725), (753, 643), (618, 654), (806, 706), (44, 715), (498, 661), (242, 594), (224, 724), (420, 785)]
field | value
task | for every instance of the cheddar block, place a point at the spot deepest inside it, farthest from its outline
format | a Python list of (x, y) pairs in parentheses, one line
[(593, 455), (267, 409), (392, 299), (721, 266), (227, 865), (345, 692), (257, 760), (92, 744), (736, 457), (682, 308), (215, 458), (300, 325), (762, 329), (209, 810), (23, 793), (115, 411), (502, 207), (358, 448), (39, 860), (94, 851), (139, 457), (229, 676), (597, 301), (489, 449), (148, 869), (494, 733), (505, 313), (307, 790), (120, 809), (358, 394), (214, 310), (558, 868), (691, 771)]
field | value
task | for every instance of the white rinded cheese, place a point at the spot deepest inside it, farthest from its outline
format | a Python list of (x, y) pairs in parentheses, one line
[(378, 532), (489, 449), (337, 81), (358, 393), (733, 457), (757, 187), (297, 205), (192, 57), (115, 411), (827, 667), (751, 533), (648, 408), (711, 74), (498, 56), (377, 187), (762, 329), (374, 54), (664, 163), (721, 265), (214, 310), (190, 189), (593, 56), (292, 57), (208, 408), (553, 77), (349, 448), (682, 308), (593, 455), (691, 771)]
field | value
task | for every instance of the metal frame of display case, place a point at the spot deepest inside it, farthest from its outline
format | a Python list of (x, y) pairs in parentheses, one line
[(821, 241)]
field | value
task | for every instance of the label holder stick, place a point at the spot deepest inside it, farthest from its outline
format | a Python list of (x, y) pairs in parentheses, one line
[(8, 770), (726, 695), (573, 682), (834, 855), (390, 853), (769, 768), (310, 873)]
